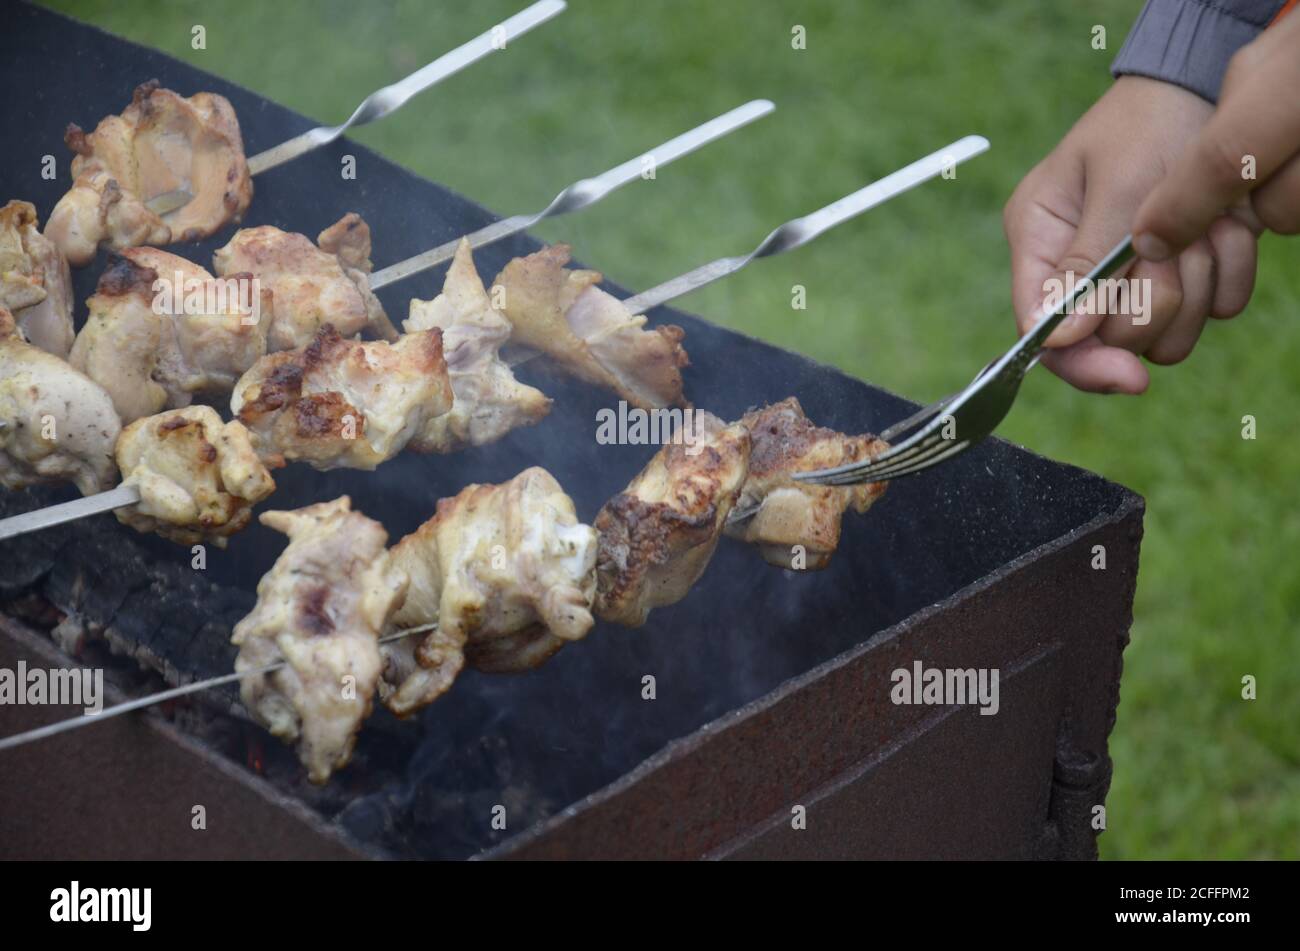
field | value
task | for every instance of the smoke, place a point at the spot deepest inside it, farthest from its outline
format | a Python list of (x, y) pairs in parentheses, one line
[(499, 753)]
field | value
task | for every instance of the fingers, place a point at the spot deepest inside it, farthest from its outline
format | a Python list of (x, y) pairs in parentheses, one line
[(1092, 366), (1104, 223), (1196, 273), (1155, 295), (1034, 250), (1176, 296), (1235, 252), (1039, 221), (1277, 201), (1254, 132)]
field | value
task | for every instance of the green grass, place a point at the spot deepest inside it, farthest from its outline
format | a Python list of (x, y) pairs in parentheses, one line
[(911, 296)]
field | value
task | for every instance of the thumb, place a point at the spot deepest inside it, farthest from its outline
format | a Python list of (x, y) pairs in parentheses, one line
[(1253, 132)]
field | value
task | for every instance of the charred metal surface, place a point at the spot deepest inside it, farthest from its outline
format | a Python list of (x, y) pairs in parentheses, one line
[(129, 788), (887, 781), (107, 584), (772, 686)]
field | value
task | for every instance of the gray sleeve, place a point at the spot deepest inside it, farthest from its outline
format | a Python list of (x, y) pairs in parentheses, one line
[(1189, 42)]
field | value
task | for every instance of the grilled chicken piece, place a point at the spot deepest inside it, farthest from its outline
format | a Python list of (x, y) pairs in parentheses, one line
[(213, 328), (198, 478), (348, 239), (320, 609), (55, 423), (657, 536), (154, 348), (589, 333), (489, 401), (118, 346), (506, 572), (343, 403), (797, 525), (35, 283), (310, 285), (160, 143)]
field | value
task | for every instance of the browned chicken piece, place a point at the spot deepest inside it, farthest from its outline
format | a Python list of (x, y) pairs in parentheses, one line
[(343, 403), (657, 536), (213, 334), (588, 332), (319, 609), (489, 401), (198, 478), (56, 424), (162, 330), (506, 572), (160, 143), (797, 525), (35, 283), (348, 239), (310, 285), (118, 346)]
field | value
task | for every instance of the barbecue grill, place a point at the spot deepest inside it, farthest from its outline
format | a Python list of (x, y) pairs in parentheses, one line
[(771, 689)]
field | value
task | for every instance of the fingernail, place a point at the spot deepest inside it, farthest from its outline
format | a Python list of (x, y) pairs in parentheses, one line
[(1150, 247)]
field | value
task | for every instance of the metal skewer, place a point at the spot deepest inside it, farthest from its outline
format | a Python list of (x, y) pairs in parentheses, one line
[(72, 723), (792, 234), (53, 515), (582, 193), (796, 232), (786, 237), (799, 231), (385, 101), (168, 202), (391, 98)]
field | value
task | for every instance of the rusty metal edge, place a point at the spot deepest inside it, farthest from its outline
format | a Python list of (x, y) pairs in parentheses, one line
[(28, 638), (852, 774), (1128, 505)]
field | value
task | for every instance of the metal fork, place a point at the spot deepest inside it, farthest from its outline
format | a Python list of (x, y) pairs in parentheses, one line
[(953, 425)]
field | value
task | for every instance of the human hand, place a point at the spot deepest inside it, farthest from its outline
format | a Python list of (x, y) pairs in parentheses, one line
[(1247, 154), (1078, 203)]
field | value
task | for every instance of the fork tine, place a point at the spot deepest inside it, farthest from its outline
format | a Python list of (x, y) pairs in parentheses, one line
[(934, 452), (937, 454), (924, 414), (880, 471), (982, 405), (852, 472), (933, 459), (912, 457), (866, 471)]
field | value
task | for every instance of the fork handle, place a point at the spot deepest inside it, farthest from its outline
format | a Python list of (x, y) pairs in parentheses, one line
[(1032, 343)]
